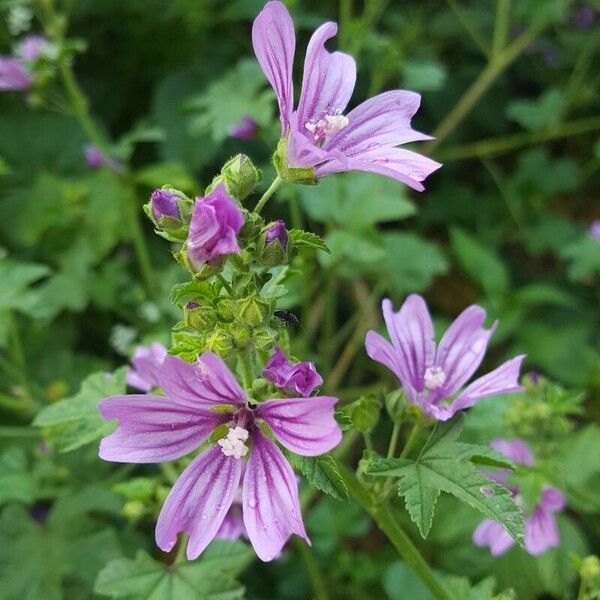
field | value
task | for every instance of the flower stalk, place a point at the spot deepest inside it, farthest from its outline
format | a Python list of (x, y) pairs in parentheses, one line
[(267, 195)]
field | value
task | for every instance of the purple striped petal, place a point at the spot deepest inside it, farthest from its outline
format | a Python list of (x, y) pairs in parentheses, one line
[(503, 380), (541, 531), (198, 502), (232, 527), (205, 384), (274, 42), (492, 534), (328, 80), (153, 429), (146, 361), (305, 426), (383, 120), (411, 332), (270, 499), (516, 450), (462, 349)]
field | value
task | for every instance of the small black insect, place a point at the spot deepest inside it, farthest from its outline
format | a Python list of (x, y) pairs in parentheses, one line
[(287, 317)]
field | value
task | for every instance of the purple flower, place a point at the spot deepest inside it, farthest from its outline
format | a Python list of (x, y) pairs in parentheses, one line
[(198, 399), (245, 129), (594, 230), (14, 71), (232, 527), (585, 16), (146, 361), (294, 378), (319, 134), (541, 531), (432, 378), (32, 47), (164, 203), (277, 231), (95, 159), (216, 221)]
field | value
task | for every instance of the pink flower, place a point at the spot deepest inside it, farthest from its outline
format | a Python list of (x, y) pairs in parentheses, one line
[(198, 399), (541, 532), (15, 71), (319, 134), (245, 129), (433, 378), (146, 361), (216, 221), (594, 230), (294, 378)]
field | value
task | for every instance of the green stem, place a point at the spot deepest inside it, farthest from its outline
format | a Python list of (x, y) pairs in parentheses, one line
[(393, 441), (267, 195), (312, 567), (246, 362), (494, 68), (508, 143), (413, 436), (501, 26), (385, 521), (469, 26), (180, 557)]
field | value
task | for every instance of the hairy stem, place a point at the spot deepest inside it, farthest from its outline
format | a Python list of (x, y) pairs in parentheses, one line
[(267, 195)]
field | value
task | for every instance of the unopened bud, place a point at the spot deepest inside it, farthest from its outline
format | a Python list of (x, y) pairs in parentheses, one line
[(395, 404), (240, 176)]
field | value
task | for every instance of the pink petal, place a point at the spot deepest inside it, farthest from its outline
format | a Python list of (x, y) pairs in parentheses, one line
[(503, 380), (552, 500), (328, 80), (516, 450), (270, 499), (305, 426), (206, 384), (198, 502), (274, 43), (541, 532), (153, 429), (232, 527), (462, 349), (383, 120), (492, 534), (411, 332)]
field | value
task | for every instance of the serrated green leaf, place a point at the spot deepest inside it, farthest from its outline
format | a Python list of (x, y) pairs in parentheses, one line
[(15, 281), (75, 421), (307, 239), (445, 465), (190, 291), (322, 472), (209, 578)]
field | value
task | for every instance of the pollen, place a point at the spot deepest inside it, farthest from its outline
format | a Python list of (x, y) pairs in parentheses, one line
[(233, 443), (326, 127), (434, 378)]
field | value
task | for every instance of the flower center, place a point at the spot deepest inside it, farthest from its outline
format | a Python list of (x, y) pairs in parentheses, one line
[(233, 443), (326, 127), (434, 378)]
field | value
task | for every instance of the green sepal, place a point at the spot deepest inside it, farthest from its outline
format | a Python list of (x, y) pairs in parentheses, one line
[(301, 175)]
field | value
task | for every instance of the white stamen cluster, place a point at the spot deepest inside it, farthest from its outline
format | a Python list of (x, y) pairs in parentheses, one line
[(326, 127), (233, 443), (434, 378)]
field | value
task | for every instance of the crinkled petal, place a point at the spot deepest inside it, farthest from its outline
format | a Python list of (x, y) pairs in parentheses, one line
[(205, 384), (328, 80), (462, 349), (274, 42), (492, 534), (153, 429), (411, 332), (305, 426), (516, 450), (383, 120), (541, 532), (503, 380), (198, 502), (270, 499)]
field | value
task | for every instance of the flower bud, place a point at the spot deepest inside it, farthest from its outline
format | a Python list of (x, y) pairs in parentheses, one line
[(245, 129), (200, 317), (252, 312), (273, 250), (277, 232), (239, 175), (164, 204), (294, 378), (170, 211), (395, 404)]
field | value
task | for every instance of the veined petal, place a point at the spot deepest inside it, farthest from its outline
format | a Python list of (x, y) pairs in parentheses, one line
[(383, 120), (503, 380), (274, 42), (411, 332), (541, 531), (153, 429), (198, 502), (328, 80), (516, 450), (270, 499), (205, 384), (305, 426), (462, 349), (492, 534)]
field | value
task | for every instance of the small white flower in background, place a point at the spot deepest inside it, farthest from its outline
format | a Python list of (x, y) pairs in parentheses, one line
[(19, 19), (122, 337), (150, 312)]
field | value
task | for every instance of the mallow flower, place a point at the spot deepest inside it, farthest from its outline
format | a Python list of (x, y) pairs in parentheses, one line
[(319, 135), (95, 159), (15, 70), (433, 378), (245, 129), (203, 399), (216, 221), (146, 362), (594, 230), (541, 531), (294, 378)]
